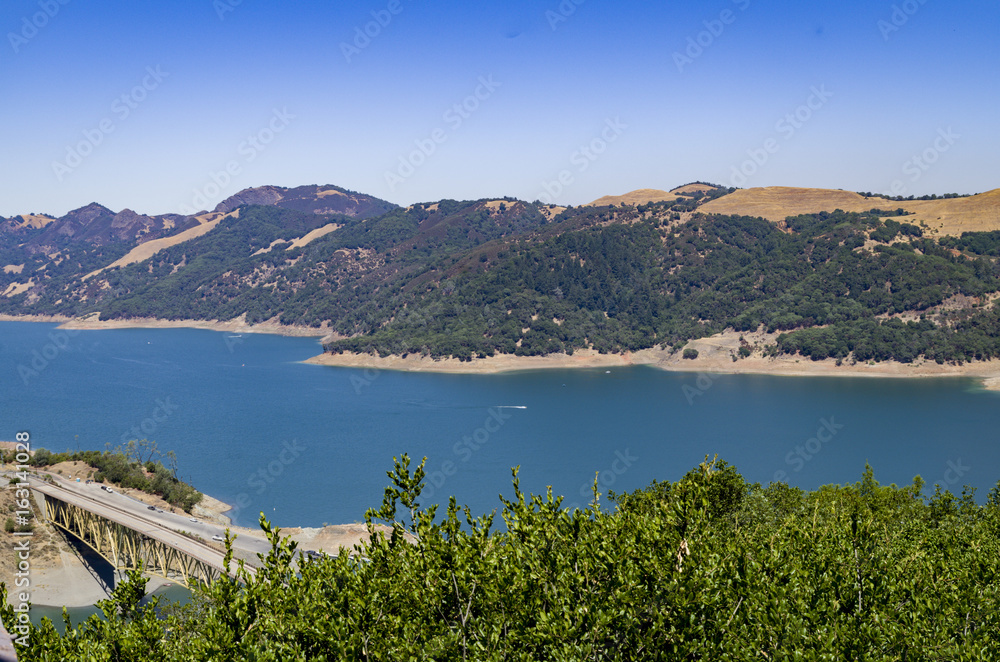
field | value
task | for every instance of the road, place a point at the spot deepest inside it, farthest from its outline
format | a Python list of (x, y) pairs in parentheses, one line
[(163, 526)]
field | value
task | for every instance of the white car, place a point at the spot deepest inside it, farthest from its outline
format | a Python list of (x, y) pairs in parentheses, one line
[(110, 491), (193, 520), (218, 538)]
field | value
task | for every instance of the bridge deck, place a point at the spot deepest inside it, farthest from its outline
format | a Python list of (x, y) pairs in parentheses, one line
[(199, 551)]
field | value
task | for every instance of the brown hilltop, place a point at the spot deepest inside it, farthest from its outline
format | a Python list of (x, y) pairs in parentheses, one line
[(691, 189), (776, 203), (32, 220), (637, 197), (950, 216), (644, 195), (976, 213)]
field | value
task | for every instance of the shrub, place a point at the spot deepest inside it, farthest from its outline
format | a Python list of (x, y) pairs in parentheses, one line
[(710, 567), (690, 353), (41, 458)]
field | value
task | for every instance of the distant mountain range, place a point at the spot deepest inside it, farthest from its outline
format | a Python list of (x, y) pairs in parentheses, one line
[(96, 224), (847, 275)]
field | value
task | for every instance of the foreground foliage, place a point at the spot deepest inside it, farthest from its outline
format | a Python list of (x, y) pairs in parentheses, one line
[(707, 568)]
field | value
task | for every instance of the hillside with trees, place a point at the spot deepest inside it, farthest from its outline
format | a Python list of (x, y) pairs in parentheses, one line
[(841, 285), (481, 278)]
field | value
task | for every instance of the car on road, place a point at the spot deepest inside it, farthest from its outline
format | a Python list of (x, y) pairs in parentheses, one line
[(218, 538), (313, 554), (110, 491), (193, 520), (150, 507)]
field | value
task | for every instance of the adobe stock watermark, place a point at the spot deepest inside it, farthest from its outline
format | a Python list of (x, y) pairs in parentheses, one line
[(364, 35), (261, 479), (699, 43), (360, 382), (232, 340), (162, 410), (562, 13), (915, 167), (122, 107), (59, 342), (606, 479), (203, 196), (787, 126), (899, 17), (466, 448), (223, 7), (23, 532), (805, 452), (368, 376), (702, 384), (31, 25), (454, 117), (954, 473), (582, 159)]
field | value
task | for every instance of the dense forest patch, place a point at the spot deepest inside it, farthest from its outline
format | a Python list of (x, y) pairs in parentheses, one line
[(480, 278)]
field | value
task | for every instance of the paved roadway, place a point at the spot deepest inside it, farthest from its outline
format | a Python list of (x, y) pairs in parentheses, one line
[(158, 524)]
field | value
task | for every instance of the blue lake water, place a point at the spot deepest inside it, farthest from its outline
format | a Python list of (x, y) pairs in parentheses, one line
[(77, 615), (309, 445)]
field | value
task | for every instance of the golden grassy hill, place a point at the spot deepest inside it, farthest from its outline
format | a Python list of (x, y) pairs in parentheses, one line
[(643, 195), (34, 221), (207, 221), (689, 189), (637, 197), (950, 216), (977, 213)]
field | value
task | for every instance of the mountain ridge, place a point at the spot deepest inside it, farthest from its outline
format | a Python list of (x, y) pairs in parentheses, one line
[(96, 224), (501, 276)]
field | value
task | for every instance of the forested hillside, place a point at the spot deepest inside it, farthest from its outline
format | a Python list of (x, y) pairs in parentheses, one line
[(251, 265), (707, 568), (480, 278), (843, 285)]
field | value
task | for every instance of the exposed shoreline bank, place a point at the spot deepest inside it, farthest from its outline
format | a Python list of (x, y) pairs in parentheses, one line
[(715, 355), (785, 366), (238, 325)]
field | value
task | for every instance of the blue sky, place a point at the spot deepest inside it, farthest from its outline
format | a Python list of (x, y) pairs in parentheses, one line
[(169, 107)]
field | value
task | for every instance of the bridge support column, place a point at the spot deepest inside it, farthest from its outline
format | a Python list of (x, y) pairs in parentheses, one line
[(125, 548)]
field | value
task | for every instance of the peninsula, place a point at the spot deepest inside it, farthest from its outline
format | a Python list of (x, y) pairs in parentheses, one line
[(701, 277)]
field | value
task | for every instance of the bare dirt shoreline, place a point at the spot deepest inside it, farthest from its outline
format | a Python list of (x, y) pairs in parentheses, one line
[(715, 354), (237, 325)]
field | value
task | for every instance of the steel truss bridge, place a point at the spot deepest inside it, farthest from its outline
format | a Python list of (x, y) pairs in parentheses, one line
[(126, 540)]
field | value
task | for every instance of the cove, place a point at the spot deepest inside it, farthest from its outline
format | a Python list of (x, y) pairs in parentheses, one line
[(307, 445)]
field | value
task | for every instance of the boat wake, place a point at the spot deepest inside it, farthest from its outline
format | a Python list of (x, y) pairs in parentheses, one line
[(434, 405)]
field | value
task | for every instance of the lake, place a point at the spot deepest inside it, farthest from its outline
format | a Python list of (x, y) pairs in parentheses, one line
[(308, 445)]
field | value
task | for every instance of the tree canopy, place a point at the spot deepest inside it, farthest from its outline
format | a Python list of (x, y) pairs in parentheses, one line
[(706, 568)]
